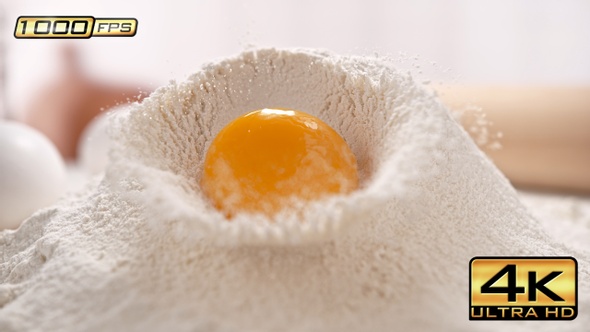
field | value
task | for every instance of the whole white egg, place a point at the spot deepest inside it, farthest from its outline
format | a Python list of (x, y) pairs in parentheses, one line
[(94, 145), (32, 173), (95, 142)]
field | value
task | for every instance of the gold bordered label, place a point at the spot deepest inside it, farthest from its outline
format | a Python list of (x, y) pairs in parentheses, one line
[(73, 27), (523, 288), (115, 27)]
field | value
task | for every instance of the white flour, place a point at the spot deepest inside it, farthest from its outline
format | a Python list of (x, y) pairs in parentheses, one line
[(141, 250)]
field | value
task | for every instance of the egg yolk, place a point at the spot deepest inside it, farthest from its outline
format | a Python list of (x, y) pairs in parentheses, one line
[(265, 159)]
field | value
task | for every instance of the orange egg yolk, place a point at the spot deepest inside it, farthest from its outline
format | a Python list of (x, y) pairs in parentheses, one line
[(264, 160)]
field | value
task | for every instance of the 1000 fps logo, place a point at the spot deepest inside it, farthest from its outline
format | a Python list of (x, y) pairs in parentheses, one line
[(74, 27), (523, 288)]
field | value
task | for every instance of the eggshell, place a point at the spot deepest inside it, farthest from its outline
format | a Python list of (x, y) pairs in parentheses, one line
[(94, 145), (96, 142), (32, 173)]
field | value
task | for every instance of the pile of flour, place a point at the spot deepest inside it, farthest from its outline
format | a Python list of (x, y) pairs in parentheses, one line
[(140, 249)]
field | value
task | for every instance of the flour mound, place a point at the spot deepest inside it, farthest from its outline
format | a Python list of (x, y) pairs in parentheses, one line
[(143, 249), (371, 105)]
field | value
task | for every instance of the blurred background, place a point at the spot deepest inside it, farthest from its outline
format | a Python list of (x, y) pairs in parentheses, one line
[(521, 61)]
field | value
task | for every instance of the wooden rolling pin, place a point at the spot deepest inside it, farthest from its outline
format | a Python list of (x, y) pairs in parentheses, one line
[(545, 132)]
